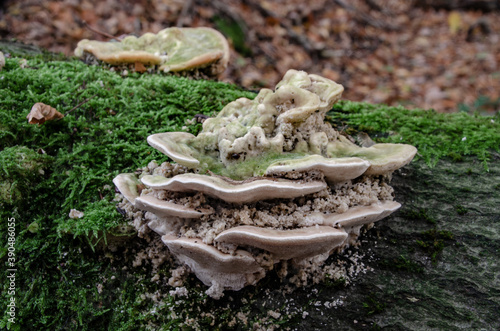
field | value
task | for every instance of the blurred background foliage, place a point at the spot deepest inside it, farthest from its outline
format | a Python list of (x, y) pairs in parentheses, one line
[(428, 54)]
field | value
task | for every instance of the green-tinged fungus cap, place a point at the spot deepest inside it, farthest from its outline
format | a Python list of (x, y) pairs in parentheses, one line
[(278, 132), (172, 49)]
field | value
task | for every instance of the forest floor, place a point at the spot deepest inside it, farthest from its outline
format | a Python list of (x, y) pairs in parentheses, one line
[(400, 54)]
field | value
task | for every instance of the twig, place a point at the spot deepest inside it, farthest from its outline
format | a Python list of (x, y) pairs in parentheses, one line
[(365, 18), (300, 39), (107, 35), (373, 5), (80, 104), (184, 12)]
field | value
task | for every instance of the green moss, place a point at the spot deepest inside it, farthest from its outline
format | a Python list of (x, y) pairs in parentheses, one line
[(403, 263), (418, 214), (455, 156), (335, 283), (373, 305), (20, 170), (106, 135), (435, 135), (255, 166), (433, 242), (461, 210)]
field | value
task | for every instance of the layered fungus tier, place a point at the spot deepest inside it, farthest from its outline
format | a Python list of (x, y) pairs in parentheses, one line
[(201, 52), (267, 181)]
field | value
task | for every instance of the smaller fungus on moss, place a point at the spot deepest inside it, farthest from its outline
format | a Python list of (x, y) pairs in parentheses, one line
[(172, 50)]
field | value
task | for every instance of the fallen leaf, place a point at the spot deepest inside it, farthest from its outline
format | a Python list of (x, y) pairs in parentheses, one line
[(139, 67), (41, 113)]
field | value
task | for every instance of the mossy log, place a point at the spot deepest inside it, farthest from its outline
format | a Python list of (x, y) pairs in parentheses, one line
[(431, 265)]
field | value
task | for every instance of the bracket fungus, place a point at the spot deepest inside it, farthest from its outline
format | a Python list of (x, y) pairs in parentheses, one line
[(203, 51), (2, 61), (267, 181)]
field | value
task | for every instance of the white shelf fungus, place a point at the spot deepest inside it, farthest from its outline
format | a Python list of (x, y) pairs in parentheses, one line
[(259, 189), (170, 50), (267, 181), (2, 61)]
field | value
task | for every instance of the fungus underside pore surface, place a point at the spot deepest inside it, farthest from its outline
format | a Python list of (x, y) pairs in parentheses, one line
[(64, 281)]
